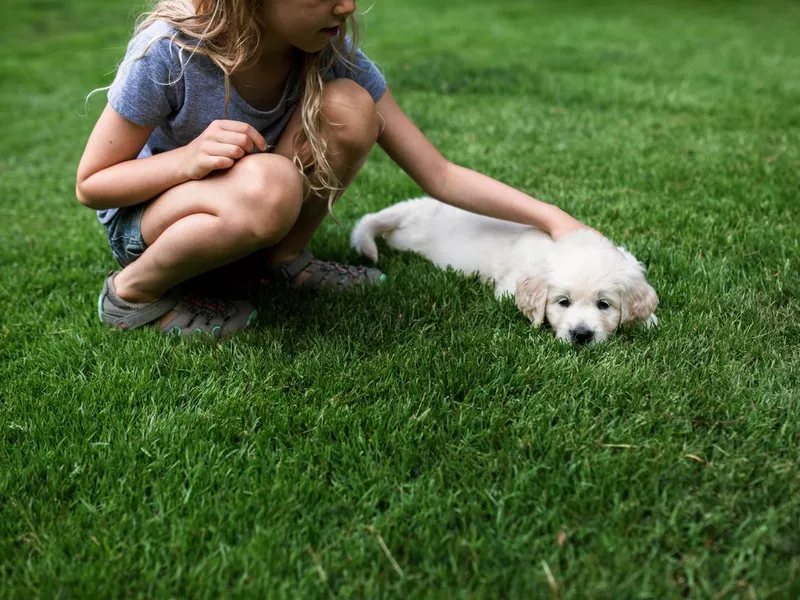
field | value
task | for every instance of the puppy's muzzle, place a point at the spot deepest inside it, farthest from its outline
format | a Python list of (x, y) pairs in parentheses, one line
[(582, 335)]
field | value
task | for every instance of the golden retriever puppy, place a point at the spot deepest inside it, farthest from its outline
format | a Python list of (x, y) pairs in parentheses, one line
[(583, 285)]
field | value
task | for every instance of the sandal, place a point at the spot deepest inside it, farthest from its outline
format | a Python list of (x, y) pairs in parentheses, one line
[(198, 313), (193, 312), (322, 274)]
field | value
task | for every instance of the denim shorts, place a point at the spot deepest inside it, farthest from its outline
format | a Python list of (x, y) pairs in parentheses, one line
[(125, 234)]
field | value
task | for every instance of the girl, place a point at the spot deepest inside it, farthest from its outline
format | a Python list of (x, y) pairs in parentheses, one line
[(232, 127)]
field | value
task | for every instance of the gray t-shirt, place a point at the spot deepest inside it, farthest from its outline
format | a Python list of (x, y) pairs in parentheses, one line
[(148, 91)]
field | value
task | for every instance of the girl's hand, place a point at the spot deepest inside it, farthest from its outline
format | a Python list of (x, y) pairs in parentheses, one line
[(565, 225), (220, 146)]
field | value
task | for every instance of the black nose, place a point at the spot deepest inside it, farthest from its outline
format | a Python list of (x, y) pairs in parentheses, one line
[(582, 335)]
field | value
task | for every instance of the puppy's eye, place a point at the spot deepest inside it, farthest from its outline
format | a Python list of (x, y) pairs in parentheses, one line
[(564, 302), (603, 305)]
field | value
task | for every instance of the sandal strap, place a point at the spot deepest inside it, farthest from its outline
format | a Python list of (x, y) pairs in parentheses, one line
[(290, 270), (128, 315), (316, 275)]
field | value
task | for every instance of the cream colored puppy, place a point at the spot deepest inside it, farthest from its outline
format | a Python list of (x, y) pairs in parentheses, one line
[(583, 285)]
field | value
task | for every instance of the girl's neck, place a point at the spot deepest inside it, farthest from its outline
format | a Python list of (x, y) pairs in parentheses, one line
[(273, 57), (262, 80)]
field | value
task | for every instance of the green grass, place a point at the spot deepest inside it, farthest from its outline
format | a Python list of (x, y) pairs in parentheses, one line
[(489, 459)]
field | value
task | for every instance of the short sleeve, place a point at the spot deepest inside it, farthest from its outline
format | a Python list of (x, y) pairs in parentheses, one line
[(148, 85), (362, 70)]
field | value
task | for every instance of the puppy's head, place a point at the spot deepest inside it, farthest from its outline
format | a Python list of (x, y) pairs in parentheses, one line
[(585, 288)]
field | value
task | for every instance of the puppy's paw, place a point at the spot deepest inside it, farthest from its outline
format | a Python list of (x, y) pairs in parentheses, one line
[(652, 321)]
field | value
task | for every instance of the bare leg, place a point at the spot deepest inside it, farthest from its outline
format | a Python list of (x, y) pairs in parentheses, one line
[(200, 225), (351, 134)]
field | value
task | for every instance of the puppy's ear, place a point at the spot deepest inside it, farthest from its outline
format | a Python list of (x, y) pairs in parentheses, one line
[(531, 297), (639, 302)]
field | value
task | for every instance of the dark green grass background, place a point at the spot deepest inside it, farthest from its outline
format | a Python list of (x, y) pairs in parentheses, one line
[(421, 439)]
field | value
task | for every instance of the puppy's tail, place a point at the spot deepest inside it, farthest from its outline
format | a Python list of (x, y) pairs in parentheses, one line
[(362, 239)]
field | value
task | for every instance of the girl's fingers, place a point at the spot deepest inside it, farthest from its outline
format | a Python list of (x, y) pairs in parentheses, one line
[(236, 139), (227, 150), (218, 163), (250, 131)]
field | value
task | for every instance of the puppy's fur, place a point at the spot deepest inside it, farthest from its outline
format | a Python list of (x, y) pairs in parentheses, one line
[(583, 285)]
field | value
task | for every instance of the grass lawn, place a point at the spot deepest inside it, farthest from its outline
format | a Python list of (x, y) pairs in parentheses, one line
[(421, 439)]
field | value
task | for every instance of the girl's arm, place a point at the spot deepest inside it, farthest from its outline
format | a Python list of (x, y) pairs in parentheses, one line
[(110, 175), (461, 187)]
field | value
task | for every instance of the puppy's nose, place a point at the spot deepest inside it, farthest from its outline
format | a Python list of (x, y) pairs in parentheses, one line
[(582, 335)]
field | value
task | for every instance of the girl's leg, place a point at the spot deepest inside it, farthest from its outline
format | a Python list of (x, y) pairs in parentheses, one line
[(258, 203), (201, 225), (351, 130)]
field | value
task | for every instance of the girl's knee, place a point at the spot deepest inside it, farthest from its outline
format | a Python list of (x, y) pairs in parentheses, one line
[(272, 174), (270, 195), (350, 110)]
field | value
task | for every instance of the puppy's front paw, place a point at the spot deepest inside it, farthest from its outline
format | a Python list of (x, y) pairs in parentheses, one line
[(652, 321)]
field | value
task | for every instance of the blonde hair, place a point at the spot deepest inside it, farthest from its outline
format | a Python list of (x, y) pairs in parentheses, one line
[(228, 33)]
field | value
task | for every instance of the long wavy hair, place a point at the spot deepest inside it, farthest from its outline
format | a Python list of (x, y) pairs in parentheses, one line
[(228, 33)]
